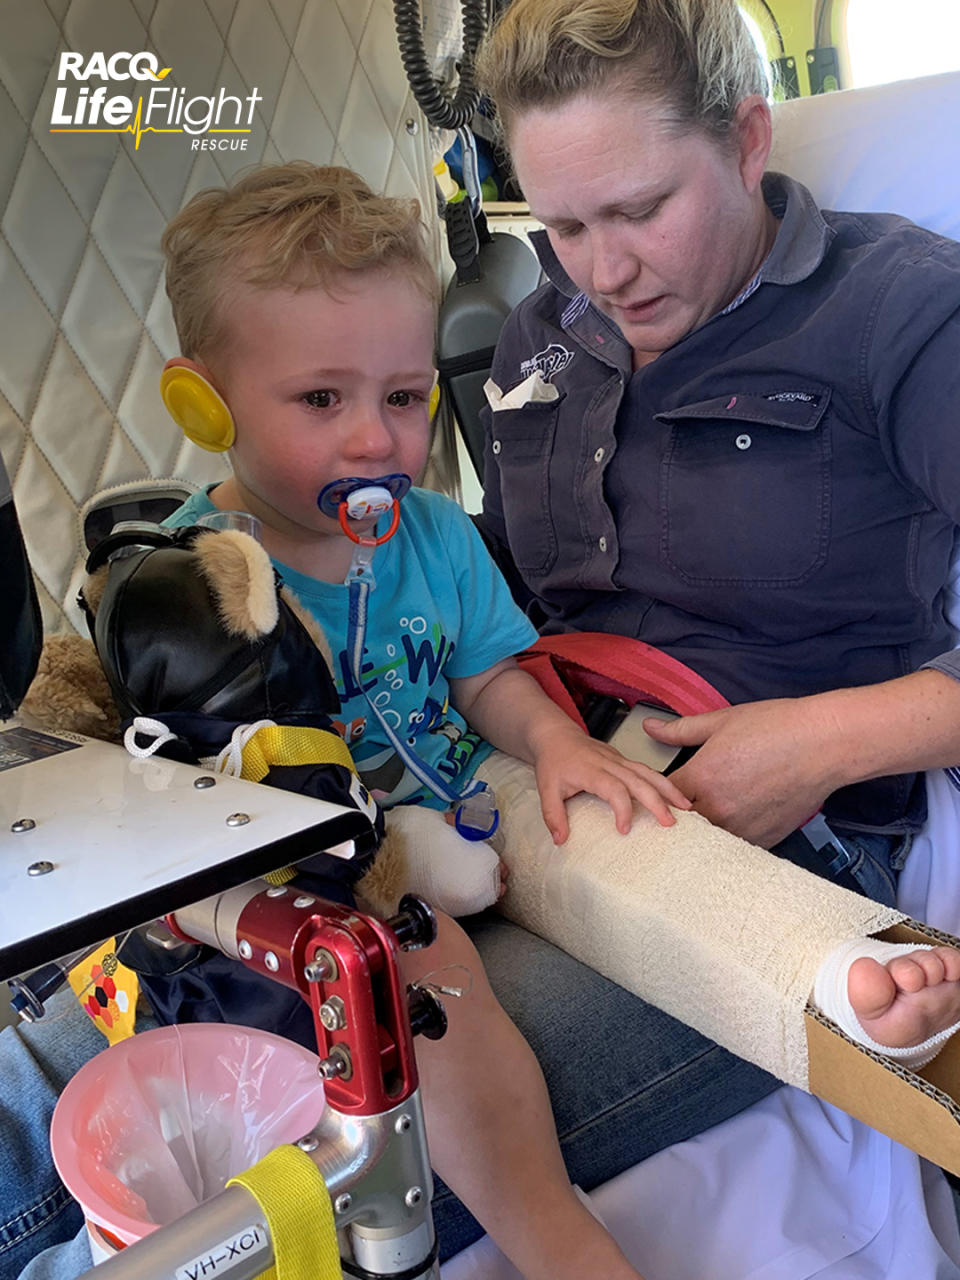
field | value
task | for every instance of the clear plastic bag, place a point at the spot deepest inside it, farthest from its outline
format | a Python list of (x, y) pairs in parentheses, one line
[(151, 1127)]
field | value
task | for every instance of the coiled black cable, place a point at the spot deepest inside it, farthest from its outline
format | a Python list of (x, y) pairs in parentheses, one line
[(440, 110)]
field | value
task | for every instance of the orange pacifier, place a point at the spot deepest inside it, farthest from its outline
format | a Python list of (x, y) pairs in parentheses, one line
[(364, 498)]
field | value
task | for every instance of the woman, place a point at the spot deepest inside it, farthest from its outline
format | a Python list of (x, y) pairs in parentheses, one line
[(755, 418)]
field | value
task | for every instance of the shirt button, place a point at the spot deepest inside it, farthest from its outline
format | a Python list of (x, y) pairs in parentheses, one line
[(602, 544), (598, 456), (496, 446), (744, 442)]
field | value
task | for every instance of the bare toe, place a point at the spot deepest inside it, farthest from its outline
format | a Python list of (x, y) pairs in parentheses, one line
[(913, 973), (871, 989), (950, 957)]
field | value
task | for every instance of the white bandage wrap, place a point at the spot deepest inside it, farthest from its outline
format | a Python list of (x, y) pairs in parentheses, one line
[(830, 996), (455, 875), (723, 935)]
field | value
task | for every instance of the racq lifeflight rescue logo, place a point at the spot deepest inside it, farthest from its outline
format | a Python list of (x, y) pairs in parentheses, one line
[(80, 107)]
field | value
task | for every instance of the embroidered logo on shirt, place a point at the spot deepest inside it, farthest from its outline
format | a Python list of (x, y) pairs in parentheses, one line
[(790, 397), (550, 361)]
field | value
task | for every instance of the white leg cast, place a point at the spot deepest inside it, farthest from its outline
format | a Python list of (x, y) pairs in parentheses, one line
[(717, 932)]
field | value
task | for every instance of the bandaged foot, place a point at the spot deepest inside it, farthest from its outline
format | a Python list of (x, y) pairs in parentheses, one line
[(901, 1000), (424, 854)]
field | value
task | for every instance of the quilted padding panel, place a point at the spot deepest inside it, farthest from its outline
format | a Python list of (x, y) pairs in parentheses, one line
[(84, 322)]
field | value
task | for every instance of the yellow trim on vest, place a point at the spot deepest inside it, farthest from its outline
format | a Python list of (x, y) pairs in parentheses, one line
[(292, 744)]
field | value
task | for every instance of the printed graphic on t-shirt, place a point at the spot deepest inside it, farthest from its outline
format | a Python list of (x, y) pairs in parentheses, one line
[(403, 678)]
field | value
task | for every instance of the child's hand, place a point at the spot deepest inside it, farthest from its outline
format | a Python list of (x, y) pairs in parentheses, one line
[(570, 762)]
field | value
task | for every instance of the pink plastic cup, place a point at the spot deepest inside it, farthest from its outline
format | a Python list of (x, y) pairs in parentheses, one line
[(158, 1123)]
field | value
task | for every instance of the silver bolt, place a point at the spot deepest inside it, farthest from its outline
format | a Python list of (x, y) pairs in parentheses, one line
[(333, 1014), (304, 900), (413, 1197), (22, 824), (238, 819), (412, 127), (277, 891), (271, 961), (204, 783), (402, 1124), (322, 968), (39, 868), (309, 1143), (245, 949), (337, 1064), (343, 1203)]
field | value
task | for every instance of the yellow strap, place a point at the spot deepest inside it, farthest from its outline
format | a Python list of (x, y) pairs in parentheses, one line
[(289, 1189), (292, 744)]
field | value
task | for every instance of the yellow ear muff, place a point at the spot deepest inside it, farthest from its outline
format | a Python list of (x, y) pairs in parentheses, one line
[(198, 410)]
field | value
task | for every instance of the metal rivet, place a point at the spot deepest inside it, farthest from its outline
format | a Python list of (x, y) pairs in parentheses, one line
[(413, 1197), (271, 961), (238, 819), (497, 446), (308, 1143), (245, 949), (743, 442), (598, 456), (204, 783), (411, 126), (276, 891), (343, 1203), (39, 868), (602, 544), (304, 900), (402, 1124), (22, 824)]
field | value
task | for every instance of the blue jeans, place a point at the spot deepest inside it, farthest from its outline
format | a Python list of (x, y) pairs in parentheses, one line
[(35, 1209), (625, 1079), (873, 862)]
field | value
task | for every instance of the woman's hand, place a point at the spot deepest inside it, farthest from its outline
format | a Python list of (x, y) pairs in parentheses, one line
[(567, 762), (762, 768)]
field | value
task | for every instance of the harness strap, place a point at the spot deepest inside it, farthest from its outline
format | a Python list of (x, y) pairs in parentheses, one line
[(620, 666)]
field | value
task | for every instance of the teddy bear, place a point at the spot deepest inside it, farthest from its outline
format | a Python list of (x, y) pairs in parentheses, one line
[(199, 652)]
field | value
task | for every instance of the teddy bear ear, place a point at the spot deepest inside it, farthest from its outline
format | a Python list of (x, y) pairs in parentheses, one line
[(93, 587), (240, 577)]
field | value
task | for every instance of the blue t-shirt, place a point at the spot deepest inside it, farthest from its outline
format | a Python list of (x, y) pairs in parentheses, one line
[(440, 610)]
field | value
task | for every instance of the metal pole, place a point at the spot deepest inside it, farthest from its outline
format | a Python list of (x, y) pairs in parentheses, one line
[(377, 1174)]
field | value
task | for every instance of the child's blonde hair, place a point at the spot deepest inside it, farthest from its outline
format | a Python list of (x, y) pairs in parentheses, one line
[(294, 225)]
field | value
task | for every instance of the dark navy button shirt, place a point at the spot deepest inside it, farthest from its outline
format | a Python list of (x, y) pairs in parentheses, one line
[(773, 500)]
